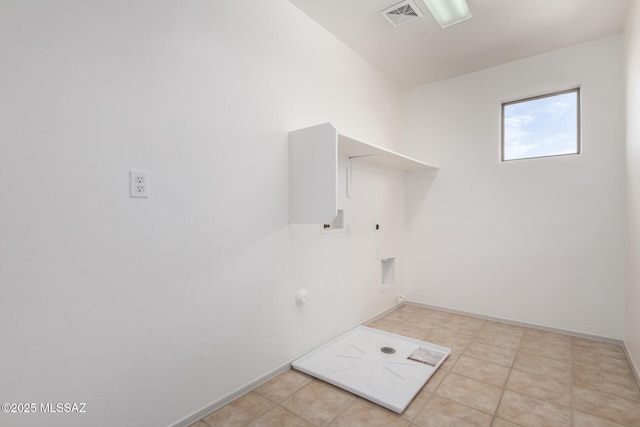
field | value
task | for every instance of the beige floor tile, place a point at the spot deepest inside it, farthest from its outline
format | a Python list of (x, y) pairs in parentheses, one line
[(199, 424), (435, 380), (318, 402), (623, 385), (384, 324), (283, 386), (505, 329), (278, 417), (480, 370), (529, 412), (461, 331), (450, 361), (416, 404), (447, 339), (365, 414), (497, 422), (607, 364), (581, 419), (506, 339), (539, 387), (410, 331), (397, 315), (606, 406), (440, 412), (467, 322), (490, 353), (412, 308), (425, 318), (240, 412), (469, 392), (543, 366), (404, 312), (541, 348), (548, 337), (428, 318), (598, 347)]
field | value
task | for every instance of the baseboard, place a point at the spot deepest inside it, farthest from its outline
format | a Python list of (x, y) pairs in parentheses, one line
[(252, 385), (524, 324), (632, 362), (212, 407)]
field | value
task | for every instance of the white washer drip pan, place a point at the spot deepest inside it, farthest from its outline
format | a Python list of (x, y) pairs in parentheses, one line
[(385, 368)]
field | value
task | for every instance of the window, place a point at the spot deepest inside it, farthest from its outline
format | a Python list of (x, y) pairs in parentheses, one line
[(543, 126)]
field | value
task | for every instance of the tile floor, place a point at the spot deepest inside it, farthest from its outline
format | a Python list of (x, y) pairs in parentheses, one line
[(498, 375)]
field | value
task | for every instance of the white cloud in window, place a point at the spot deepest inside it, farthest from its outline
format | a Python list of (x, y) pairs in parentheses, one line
[(557, 108), (516, 135), (541, 127)]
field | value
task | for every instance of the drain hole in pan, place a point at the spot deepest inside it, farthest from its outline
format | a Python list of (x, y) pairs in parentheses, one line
[(388, 350)]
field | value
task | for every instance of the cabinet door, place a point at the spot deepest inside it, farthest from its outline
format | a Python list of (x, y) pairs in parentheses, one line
[(313, 175)]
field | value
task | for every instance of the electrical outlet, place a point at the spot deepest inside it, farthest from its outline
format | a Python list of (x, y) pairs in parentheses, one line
[(138, 183)]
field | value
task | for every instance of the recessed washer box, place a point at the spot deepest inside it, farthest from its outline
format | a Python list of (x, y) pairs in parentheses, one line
[(388, 271), (385, 368)]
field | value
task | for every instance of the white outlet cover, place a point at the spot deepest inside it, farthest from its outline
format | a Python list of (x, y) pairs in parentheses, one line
[(138, 184)]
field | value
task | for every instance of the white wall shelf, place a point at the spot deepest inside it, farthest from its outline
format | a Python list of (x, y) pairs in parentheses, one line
[(313, 169)]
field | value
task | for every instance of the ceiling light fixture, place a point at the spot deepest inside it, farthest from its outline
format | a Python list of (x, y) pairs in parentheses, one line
[(449, 12)]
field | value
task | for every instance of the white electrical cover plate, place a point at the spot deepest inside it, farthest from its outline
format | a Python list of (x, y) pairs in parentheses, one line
[(375, 365)]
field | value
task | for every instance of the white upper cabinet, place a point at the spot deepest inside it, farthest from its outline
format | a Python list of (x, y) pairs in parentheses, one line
[(313, 169)]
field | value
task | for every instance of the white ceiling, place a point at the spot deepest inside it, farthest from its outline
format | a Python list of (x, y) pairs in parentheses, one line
[(500, 31)]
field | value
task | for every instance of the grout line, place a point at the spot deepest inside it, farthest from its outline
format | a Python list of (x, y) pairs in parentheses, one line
[(504, 387), (608, 393), (344, 410)]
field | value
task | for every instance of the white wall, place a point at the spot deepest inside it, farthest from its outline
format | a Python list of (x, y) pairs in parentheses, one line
[(537, 241), (149, 310), (632, 290)]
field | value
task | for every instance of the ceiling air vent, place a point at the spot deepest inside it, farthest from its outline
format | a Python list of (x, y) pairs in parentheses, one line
[(402, 13)]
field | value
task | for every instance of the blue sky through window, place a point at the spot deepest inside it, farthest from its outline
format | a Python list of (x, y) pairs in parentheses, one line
[(541, 127)]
